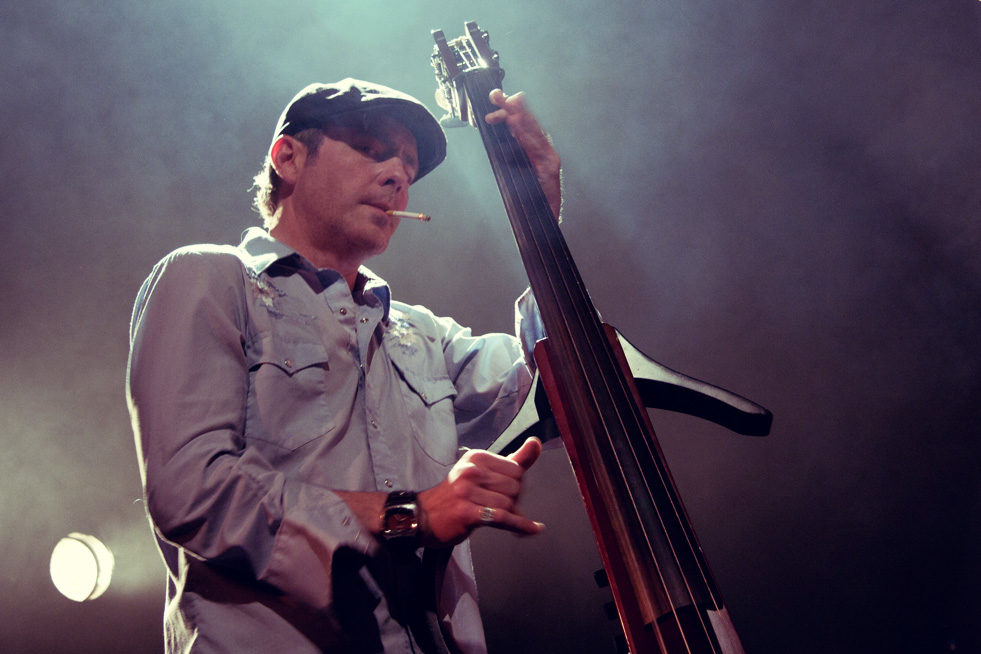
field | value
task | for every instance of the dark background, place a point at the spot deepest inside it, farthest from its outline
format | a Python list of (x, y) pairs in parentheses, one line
[(781, 198)]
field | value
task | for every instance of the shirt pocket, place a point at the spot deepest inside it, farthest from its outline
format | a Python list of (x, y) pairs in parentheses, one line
[(287, 403), (428, 398)]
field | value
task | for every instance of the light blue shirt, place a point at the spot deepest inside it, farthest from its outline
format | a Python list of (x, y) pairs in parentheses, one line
[(257, 383)]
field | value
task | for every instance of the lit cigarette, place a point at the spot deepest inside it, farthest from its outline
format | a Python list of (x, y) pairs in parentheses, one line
[(408, 214)]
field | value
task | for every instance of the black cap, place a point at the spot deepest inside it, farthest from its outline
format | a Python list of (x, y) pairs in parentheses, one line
[(317, 103)]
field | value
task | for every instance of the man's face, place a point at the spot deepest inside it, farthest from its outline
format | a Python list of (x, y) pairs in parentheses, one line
[(362, 169)]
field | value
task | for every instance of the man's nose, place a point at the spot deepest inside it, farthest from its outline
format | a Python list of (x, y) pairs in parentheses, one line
[(393, 173)]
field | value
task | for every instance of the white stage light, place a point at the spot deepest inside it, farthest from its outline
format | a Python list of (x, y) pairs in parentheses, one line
[(81, 567)]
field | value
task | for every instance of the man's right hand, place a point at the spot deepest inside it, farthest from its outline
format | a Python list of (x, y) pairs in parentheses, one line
[(481, 489)]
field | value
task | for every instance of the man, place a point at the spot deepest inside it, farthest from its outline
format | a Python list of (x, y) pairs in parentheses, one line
[(299, 432)]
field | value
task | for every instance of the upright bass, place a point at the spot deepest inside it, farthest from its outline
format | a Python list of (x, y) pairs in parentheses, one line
[(598, 387)]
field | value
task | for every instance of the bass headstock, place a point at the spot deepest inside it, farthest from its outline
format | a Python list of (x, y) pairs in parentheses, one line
[(453, 61)]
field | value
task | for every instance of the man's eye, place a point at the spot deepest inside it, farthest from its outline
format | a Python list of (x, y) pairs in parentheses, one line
[(367, 149)]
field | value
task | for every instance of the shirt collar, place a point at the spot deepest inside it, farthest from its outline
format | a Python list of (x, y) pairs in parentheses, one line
[(264, 251)]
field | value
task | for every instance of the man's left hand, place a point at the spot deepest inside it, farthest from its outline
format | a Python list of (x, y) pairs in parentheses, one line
[(525, 128)]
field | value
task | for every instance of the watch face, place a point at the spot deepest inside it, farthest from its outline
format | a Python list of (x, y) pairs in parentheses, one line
[(400, 522)]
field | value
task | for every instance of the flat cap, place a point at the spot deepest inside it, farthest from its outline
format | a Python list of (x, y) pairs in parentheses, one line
[(316, 104)]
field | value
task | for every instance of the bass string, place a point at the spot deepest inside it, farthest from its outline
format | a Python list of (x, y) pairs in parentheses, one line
[(513, 172), (507, 165)]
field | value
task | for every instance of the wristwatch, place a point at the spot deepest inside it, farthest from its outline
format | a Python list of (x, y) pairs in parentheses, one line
[(400, 520)]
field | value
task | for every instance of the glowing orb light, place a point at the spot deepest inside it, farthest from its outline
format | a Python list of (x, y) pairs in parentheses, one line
[(81, 567)]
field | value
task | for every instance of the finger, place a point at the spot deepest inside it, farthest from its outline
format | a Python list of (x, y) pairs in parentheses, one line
[(498, 97), (512, 103), (493, 499), (514, 110), (496, 117), (474, 479), (508, 520), (482, 467), (511, 107), (528, 453), (503, 485)]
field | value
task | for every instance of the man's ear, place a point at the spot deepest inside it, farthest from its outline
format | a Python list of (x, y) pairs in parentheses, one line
[(287, 156)]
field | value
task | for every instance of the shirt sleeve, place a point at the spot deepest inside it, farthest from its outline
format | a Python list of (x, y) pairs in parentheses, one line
[(491, 373), (206, 492), (528, 325)]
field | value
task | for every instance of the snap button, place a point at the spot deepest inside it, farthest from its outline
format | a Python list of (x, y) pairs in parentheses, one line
[(288, 363), (343, 311), (388, 482)]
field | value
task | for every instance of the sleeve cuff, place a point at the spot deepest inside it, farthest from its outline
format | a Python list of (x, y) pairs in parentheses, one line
[(312, 531)]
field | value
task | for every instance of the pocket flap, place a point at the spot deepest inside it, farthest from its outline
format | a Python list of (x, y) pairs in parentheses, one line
[(430, 389), (293, 357)]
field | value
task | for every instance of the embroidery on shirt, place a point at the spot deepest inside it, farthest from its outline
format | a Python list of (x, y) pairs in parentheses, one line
[(270, 297), (403, 336)]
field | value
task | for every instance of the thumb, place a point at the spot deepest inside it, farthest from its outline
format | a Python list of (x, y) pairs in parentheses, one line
[(528, 453)]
